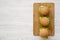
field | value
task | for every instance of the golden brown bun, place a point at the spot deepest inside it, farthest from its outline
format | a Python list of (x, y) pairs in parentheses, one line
[(44, 10), (44, 21), (43, 32)]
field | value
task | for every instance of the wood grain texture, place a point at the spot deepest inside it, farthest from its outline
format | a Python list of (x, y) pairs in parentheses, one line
[(36, 15)]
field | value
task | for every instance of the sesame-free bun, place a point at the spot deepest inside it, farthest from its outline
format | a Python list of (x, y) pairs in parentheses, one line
[(44, 32), (44, 21), (44, 10)]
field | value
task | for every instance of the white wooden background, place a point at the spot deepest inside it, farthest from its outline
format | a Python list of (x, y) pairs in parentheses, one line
[(16, 19)]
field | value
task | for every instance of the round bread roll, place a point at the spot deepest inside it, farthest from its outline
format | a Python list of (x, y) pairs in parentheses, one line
[(44, 21), (43, 32), (44, 10)]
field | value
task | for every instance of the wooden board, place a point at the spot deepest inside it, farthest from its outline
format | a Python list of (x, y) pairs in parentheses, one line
[(36, 19)]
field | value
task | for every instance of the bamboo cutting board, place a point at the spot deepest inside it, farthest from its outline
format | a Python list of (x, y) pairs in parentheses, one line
[(36, 15)]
